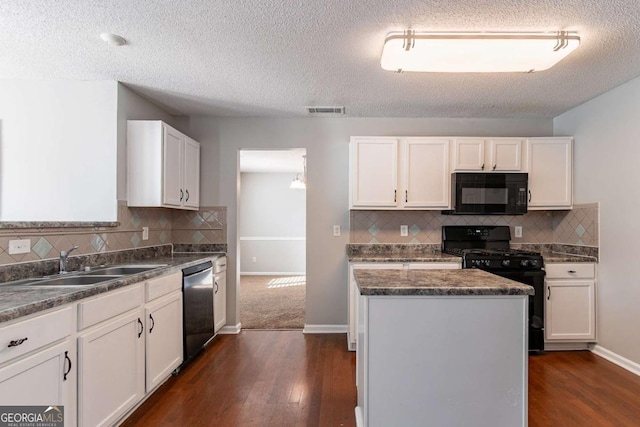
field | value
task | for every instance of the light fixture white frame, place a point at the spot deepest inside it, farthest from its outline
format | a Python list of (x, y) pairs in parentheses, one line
[(476, 52)]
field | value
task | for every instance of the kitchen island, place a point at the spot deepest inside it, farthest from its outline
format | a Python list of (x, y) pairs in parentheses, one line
[(441, 348)]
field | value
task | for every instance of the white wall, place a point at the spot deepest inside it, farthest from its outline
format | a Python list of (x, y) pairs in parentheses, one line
[(132, 106), (607, 170), (271, 224), (58, 150), (326, 141)]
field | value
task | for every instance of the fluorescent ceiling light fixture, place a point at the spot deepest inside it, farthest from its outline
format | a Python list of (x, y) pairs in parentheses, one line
[(476, 52)]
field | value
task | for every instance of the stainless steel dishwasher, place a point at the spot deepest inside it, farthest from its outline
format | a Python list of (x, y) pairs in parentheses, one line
[(197, 289)]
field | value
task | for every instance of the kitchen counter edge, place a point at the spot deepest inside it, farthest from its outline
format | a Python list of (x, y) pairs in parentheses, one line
[(21, 301), (467, 282)]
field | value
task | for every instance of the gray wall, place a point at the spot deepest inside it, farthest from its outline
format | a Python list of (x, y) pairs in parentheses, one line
[(326, 141), (271, 224), (606, 159)]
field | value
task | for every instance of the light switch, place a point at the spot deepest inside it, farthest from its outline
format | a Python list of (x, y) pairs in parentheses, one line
[(145, 233), (404, 230), (19, 246), (336, 231)]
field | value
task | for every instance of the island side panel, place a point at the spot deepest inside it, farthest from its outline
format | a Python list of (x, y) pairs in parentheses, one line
[(445, 361)]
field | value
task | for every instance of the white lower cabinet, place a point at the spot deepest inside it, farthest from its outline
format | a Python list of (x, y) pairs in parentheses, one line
[(44, 378), (164, 350), (111, 369), (570, 303), (38, 362), (219, 300)]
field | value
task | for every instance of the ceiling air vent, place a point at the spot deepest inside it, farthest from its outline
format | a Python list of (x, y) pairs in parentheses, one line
[(317, 111)]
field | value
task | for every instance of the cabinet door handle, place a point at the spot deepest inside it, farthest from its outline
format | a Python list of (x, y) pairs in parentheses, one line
[(548, 292), (494, 167), (395, 193), (141, 328), (406, 196), (572, 272), (153, 323), (482, 167), (187, 199), (16, 343), (216, 291), (529, 196), (66, 359), (181, 194)]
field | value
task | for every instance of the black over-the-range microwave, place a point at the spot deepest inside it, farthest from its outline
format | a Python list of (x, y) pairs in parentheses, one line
[(489, 193)]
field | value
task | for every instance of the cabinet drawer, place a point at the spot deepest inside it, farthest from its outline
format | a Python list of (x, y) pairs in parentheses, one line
[(159, 286), (570, 271), (220, 264), (38, 331), (109, 305)]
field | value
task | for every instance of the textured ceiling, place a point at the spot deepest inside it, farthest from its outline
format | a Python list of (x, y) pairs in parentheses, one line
[(273, 57)]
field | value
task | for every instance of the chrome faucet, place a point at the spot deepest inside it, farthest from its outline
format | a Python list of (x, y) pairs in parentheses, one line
[(63, 259)]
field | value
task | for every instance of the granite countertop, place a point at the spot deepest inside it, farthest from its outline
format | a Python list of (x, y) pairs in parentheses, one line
[(551, 257), (404, 257), (18, 301), (437, 282)]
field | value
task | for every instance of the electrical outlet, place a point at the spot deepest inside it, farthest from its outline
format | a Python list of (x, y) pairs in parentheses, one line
[(145, 233), (336, 231), (254, 259), (518, 230), (19, 246), (404, 230)]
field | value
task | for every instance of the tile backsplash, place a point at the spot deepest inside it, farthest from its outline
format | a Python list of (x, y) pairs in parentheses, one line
[(576, 227), (206, 226)]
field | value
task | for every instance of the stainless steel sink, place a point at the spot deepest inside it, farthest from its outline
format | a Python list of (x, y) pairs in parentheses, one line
[(78, 280), (23, 282), (99, 275), (123, 270)]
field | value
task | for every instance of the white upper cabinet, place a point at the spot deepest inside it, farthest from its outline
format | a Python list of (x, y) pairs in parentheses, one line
[(468, 154), (487, 155), (191, 173), (393, 173), (374, 172), (550, 168), (425, 173), (163, 166)]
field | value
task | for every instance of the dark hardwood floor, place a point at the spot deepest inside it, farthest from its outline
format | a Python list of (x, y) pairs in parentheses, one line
[(285, 378), (259, 378)]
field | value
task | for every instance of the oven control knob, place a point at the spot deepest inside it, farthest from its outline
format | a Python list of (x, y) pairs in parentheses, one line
[(506, 262), (524, 262)]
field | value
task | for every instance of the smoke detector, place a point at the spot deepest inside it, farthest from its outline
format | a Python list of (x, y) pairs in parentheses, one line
[(322, 111)]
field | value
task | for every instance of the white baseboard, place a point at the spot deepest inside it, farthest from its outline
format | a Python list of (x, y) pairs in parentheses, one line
[(272, 273), (325, 329), (231, 329), (612, 357)]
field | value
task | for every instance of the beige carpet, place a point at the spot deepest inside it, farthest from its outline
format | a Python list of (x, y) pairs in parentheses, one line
[(272, 302)]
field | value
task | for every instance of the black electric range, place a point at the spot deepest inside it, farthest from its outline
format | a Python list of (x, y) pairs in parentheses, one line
[(487, 248)]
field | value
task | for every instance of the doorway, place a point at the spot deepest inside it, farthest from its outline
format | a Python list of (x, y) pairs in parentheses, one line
[(272, 238)]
